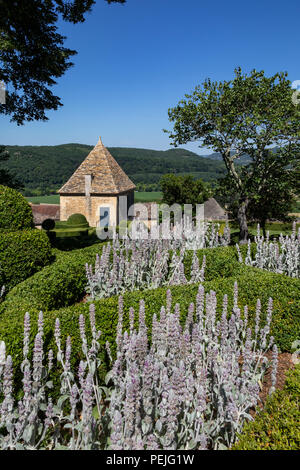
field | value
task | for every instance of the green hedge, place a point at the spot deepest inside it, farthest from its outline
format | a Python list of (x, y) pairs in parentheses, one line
[(277, 426), (22, 253), (77, 220), (58, 285), (71, 232), (15, 212)]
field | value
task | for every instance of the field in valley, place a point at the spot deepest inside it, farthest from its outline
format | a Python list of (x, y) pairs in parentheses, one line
[(140, 196)]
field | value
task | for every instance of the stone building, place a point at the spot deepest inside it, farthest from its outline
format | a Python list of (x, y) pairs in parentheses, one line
[(42, 212), (213, 210), (99, 189)]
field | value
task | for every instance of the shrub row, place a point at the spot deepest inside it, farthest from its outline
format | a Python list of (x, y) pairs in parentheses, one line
[(277, 426), (22, 253), (58, 285)]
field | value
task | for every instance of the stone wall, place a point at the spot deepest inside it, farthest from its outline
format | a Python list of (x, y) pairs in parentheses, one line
[(89, 207)]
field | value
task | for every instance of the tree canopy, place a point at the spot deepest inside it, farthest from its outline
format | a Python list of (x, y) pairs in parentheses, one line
[(244, 116), (32, 53), (183, 189), (272, 200)]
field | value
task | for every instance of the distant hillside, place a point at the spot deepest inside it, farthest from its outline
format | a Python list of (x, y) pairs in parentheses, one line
[(44, 169), (243, 160)]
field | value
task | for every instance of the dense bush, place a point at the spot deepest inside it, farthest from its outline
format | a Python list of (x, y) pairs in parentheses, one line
[(22, 253), (48, 224), (277, 426), (15, 212), (58, 285), (77, 220)]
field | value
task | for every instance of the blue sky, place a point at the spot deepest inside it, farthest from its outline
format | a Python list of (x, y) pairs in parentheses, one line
[(136, 60)]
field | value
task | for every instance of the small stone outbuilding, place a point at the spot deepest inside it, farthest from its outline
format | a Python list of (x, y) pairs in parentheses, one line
[(42, 212), (213, 210), (99, 189)]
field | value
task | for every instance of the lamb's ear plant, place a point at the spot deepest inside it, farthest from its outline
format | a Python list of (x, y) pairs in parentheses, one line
[(192, 388), (36, 422), (282, 256), (195, 385), (129, 264), (137, 264)]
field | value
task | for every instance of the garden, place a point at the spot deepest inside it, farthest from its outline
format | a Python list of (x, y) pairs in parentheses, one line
[(187, 343)]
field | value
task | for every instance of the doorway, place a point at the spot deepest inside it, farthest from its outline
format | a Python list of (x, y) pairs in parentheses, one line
[(104, 216)]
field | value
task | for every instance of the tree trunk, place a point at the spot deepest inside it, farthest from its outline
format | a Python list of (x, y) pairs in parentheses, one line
[(242, 219)]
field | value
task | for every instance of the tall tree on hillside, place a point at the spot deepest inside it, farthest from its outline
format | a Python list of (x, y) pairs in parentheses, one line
[(243, 116), (32, 53), (6, 177)]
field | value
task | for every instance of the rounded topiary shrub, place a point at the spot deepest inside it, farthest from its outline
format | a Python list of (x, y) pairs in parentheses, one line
[(15, 212), (48, 224), (22, 253), (77, 220)]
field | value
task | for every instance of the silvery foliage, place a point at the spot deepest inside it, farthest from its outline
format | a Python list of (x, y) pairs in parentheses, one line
[(191, 389), (194, 386), (145, 260), (35, 421), (2, 291), (139, 264), (281, 257)]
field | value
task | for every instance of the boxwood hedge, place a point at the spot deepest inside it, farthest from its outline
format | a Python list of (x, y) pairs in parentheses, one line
[(15, 212), (60, 284), (277, 426), (22, 253)]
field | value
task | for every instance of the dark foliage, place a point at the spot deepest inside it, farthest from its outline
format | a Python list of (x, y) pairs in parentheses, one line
[(32, 53), (7, 178)]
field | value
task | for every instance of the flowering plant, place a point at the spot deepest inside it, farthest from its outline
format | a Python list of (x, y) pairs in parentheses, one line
[(191, 388), (136, 264), (281, 257)]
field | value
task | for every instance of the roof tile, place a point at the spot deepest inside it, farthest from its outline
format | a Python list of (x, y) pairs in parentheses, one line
[(107, 176)]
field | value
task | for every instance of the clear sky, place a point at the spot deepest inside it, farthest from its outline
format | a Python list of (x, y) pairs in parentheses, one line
[(136, 60)]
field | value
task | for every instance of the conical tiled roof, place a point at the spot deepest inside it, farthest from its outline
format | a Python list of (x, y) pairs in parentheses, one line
[(107, 176)]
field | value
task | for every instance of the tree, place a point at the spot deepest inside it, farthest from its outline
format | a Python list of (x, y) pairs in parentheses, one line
[(183, 189), (275, 198), (274, 201), (32, 54), (6, 177), (244, 116)]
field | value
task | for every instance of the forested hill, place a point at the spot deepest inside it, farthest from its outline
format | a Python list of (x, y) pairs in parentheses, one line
[(46, 168)]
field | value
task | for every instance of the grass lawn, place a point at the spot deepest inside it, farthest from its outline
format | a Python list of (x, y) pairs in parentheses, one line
[(52, 199), (154, 196)]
